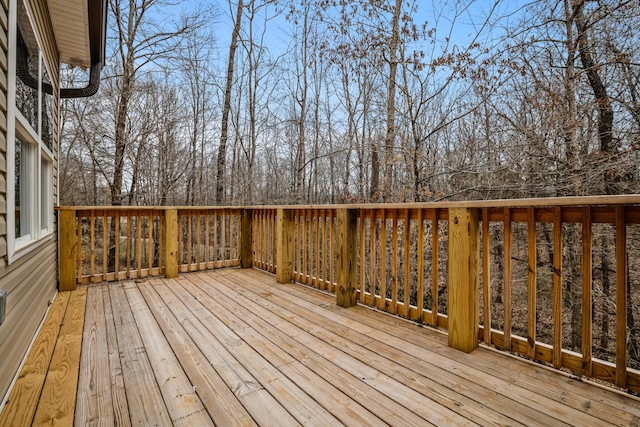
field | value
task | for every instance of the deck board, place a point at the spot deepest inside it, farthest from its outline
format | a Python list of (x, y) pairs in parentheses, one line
[(508, 390), (221, 403), (428, 380), (225, 326), (23, 400), (233, 347), (58, 398), (93, 402), (146, 406), (181, 400), (407, 405), (120, 406), (604, 403)]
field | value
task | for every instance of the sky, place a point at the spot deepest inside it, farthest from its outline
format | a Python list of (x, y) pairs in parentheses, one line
[(457, 21)]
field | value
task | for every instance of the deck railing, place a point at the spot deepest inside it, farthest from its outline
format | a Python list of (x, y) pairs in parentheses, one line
[(548, 279), (114, 243)]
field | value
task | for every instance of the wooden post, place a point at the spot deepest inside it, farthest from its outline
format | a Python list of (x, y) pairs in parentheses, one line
[(246, 245), (347, 249), (68, 250), (284, 246), (464, 253), (171, 230)]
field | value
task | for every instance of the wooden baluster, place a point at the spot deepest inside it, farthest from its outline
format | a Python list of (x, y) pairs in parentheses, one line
[(383, 260), (207, 231), (198, 240), (257, 251), (303, 270), (255, 234), (105, 245), (296, 244), (464, 239), (67, 235), (587, 314), (189, 240), (310, 248), (435, 260), (179, 234), (322, 254), (238, 231), (270, 233), (506, 297), (332, 217), (263, 239), (621, 297), (557, 287), (129, 242), (394, 262), (317, 251), (274, 239), (149, 241), (486, 275), (269, 240), (531, 283), (117, 243), (92, 244), (139, 243), (79, 251), (420, 267), (406, 249), (361, 297), (231, 237), (215, 238), (224, 237), (372, 259), (161, 225), (264, 225), (347, 240)]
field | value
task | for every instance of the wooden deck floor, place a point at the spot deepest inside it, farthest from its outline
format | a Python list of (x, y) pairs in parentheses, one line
[(233, 347)]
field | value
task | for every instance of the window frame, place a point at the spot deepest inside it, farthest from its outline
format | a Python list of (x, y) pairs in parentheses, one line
[(40, 158)]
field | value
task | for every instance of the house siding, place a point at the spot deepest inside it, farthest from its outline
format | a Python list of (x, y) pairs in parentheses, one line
[(31, 280)]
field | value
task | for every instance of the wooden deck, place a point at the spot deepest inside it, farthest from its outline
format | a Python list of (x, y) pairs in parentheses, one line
[(233, 347)]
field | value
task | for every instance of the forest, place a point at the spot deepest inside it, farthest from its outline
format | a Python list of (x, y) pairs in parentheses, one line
[(271, 102)]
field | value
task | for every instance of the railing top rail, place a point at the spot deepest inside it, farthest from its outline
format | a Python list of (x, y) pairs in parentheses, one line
[(602, 200), (142, 208)]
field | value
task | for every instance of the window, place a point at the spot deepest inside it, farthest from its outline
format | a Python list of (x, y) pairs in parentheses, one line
[(30, 138)]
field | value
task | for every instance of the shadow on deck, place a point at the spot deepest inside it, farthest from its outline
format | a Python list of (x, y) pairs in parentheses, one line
[(233, 347)]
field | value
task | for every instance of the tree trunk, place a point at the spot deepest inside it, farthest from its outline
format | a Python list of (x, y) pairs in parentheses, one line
[(120, 138), (224, 127), (603, 102), (389, 140)]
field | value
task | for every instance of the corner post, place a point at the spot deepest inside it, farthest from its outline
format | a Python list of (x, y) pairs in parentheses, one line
[(347, 249), (464, 254), (68, 253), (246, 248), (284, 246), (171, 243)]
